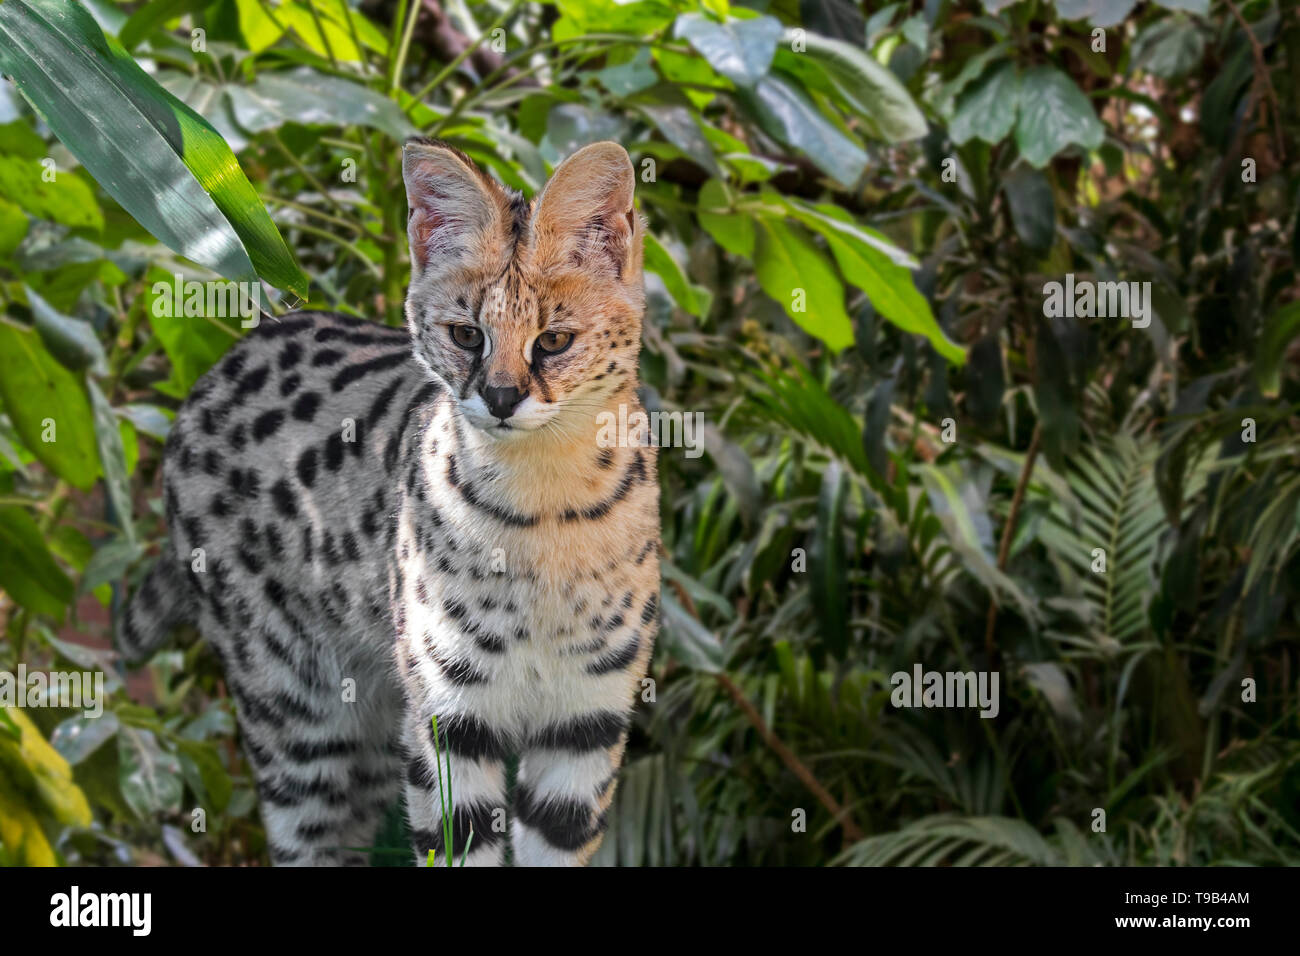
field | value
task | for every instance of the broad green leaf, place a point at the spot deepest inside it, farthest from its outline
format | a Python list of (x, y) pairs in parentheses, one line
[(327, 38), (692, 298), (733, 231), (28, 573), (987, 110), (72, 341), (869, 89), (112, 458), (13, 226), (741, 50), (67, 200), (877, 267), (1033, 208), (150, 777), (192, 343), (801, 278), (786, 113), (687, 640), (46, 401), (1054, 113), (309, 97), (174, 173), (630, 76), (78, 737), (110, 562), (1169, 48), (152, 16), (1099, 13), (1199, 7), (679, 127), (258, 28)]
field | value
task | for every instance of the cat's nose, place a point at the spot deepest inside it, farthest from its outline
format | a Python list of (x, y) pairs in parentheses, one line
[(500, 401)]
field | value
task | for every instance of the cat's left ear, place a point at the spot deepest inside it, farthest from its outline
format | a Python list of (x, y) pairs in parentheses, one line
[(585, 218)]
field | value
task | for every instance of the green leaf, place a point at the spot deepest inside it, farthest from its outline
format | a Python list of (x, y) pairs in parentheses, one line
[(28, 573), (987, 110), (193, 343), (78, 737), (1282, 326), (149, 777), (1100, 13), (741, 50), (67, 200), (36, 389), (152, 17), (1199, 7), (881, 270), (1033, 208), (830, 586), (788, 263), (733, 231), (310, 97), (694, 299), (855, 78), (1054, 113), (173, 173), (787, 114), (687, 640), (13, 227), (257, 27), (1169, 48), (112, 457), (72, 341)]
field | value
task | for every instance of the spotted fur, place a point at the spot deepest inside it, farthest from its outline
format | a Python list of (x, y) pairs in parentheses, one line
[(346, 509)]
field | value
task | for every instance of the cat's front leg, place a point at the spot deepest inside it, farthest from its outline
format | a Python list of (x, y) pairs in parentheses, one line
[(474, 787), (565, 784)]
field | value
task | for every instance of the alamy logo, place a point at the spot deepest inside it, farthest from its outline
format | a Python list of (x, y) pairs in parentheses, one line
[(134, 910), (190, 298), (660, 429), (922, 688), (1084, 299), (71, 689)]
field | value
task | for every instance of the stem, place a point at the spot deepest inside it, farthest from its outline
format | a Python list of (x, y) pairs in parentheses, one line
[(1008, 532), (841, 814)]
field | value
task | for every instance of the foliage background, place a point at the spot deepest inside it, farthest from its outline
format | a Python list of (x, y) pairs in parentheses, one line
[(944, 455)]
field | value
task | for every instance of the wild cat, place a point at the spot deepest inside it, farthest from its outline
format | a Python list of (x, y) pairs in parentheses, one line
[(374, 526)]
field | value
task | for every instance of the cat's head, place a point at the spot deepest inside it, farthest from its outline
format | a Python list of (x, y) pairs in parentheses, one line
[(529, 312)]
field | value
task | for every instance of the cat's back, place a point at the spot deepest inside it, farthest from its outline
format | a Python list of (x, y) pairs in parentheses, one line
[(277, 470)]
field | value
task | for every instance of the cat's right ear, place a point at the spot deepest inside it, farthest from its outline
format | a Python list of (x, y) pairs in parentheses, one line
[(450, 207)]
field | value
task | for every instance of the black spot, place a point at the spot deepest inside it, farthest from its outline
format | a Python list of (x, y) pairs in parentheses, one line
[(334, 451), (252, 383), (290, 385), (307, 467), (326, 357), (651, 609), (284, 499), (304, 408), (233, 365), (267, 424), (290, 355)]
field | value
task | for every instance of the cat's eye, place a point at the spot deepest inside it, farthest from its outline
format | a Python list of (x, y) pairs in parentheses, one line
[(466, 336), (553, 342)]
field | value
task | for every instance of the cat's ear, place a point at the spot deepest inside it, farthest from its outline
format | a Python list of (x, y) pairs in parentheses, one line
[(451, 206), (585, 218)]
